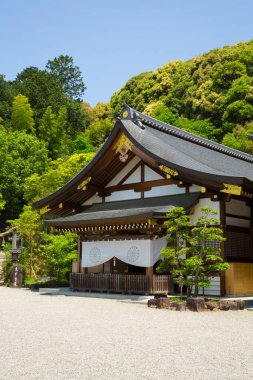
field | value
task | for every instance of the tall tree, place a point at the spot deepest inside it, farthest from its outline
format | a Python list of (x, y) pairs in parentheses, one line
[(22, 115), (43, 89), (6, 99), (29, 227), (52, 131), (21, 155), (58, 252), (69, 74)]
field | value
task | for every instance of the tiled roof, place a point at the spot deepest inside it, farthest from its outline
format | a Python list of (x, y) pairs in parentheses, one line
[(186, 150), (128, 210)]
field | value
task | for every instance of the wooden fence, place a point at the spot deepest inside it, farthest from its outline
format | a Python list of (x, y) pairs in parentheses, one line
[(121, 283)]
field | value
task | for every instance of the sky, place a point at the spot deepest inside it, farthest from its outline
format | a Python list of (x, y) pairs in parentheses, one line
[(113, 40)]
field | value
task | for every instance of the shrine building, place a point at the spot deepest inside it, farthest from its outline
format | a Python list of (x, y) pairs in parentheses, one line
[(117, 205)]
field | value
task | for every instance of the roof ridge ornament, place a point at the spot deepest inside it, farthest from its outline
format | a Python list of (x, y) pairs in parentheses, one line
[(129, 113)]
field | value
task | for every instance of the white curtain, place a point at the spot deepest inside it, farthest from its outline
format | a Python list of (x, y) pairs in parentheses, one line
[(143, 253)]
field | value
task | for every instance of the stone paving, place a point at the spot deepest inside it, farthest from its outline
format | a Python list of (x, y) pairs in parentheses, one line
[(45, 337)]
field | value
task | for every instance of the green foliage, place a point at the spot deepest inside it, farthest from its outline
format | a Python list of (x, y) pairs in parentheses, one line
[(21, 155), (58, 252), (202, 128), (2, 202), (29, 227), (43, 89), (69, 75), (98, 131), (6, 99), (216, 88), (46, 89), (227, 73), (52, 131), (53, 283), (38, 186), (239, 112), (238, 139), (7, 264), (81, 144), (42, 253), (190, 254), (22, 115), (160, 112)]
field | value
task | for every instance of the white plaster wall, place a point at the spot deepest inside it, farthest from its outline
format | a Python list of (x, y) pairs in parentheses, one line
[(124, 172), (203, 202), (237, 222), (151, 175), (160, 191), (238, 208), (214, 289), (134, 177), (123, 195)]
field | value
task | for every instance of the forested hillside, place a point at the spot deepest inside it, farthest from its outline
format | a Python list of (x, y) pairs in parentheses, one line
[(47, 132), (210, 95)]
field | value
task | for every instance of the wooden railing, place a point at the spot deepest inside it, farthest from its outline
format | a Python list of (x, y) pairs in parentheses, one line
[(121, 283)]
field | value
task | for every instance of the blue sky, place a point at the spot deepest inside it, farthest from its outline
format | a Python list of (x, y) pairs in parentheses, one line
[(113, 40)]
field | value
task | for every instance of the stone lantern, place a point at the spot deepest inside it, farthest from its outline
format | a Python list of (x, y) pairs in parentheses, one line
[(16, 276)]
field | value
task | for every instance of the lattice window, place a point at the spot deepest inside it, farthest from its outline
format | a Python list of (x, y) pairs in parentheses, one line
[(238, 244)]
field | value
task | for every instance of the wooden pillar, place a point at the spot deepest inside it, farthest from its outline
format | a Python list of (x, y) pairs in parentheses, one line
[(79, 257), (142, 177), (149, 275), (222, 245)]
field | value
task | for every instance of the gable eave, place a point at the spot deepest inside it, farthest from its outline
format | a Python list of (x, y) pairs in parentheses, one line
[(71, 185)]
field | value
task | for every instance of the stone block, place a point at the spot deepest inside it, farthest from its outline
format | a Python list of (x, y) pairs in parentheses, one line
[(240, 304), (181, 306), (224, 305), (152, 302), (195, 304), (211, 305), (233, 306), (163, 303)]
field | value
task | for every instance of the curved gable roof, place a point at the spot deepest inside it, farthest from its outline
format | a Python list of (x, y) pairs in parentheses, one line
[(195, 158)]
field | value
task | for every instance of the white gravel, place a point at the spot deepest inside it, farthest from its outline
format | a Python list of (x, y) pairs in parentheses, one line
[(58, 337)]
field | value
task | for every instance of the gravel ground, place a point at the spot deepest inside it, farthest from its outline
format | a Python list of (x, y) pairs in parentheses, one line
[(56, 337)]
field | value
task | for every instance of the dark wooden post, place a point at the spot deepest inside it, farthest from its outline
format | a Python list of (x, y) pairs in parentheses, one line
[(149, 275), (79, 258)]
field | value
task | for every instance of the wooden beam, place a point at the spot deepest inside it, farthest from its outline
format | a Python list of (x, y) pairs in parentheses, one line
[(142, 178), (238, 216), (136, 186), (118, 237)]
